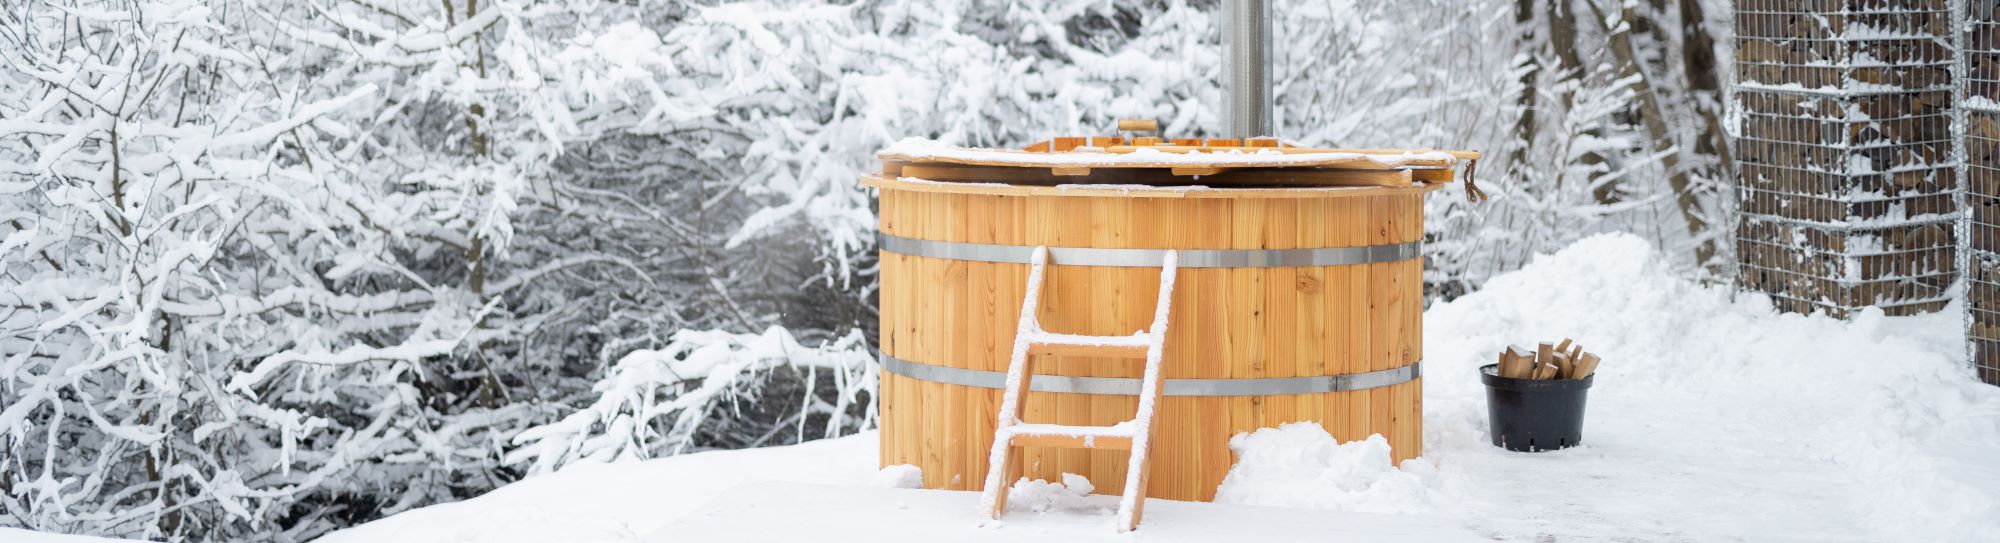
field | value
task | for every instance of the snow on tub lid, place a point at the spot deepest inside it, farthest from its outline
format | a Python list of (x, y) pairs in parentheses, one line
[(1151, 167), (1139, 156)]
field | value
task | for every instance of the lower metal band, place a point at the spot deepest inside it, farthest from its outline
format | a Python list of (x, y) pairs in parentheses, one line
[(1150, 258), (1126, 386)]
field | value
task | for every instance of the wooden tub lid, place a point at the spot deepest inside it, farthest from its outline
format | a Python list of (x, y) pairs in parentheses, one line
[(1137, 191), (1164, 168)]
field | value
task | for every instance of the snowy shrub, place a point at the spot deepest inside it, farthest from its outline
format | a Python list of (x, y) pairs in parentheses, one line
[(255, 258), (184, 202), (657, 400)]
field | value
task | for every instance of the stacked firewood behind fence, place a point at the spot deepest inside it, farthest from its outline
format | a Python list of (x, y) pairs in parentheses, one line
[(1981, 46), (1848, 178)]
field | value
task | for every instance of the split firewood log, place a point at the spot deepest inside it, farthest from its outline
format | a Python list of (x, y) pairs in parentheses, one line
[(1517, 363), (1586, 366)]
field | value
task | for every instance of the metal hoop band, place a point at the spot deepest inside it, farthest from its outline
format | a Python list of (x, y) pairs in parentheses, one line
[(1150, 258), (1125, 386)]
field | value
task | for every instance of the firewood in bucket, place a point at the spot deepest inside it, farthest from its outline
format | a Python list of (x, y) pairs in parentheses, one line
[(1564, 367), (1586, 366), (1549, 361), (1517, 363)]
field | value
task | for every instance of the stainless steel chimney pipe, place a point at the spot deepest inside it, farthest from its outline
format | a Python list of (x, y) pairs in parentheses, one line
[(1246, 34)]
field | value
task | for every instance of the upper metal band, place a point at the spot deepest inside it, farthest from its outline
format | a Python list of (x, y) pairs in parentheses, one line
[(1126, 386), (1150, 258)]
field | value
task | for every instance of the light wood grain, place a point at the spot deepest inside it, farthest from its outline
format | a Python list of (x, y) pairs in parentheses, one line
[(1271, 322), (1092, 444), (1123, 354), (1139, 125)]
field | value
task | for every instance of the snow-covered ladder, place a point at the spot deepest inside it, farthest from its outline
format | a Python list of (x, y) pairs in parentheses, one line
[(1133, 435)]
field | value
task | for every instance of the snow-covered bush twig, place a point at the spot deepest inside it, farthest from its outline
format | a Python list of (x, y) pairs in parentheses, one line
[(656, 400)]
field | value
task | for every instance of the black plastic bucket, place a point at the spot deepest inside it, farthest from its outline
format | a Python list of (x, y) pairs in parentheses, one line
[(1533, 415)]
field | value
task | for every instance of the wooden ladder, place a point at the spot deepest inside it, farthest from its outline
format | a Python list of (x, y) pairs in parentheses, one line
[(1132, 435)]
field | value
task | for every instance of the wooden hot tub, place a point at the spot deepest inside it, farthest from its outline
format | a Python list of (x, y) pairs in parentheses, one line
[(1292, 304)]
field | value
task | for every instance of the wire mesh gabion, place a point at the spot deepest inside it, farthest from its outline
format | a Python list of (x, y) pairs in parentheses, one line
[(1848, 174), (1980, 44)]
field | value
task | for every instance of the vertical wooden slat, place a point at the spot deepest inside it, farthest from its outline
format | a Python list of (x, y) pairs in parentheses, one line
[(1309, 323), (1408, 426), (1072, 311), (1212, 434), (1040, 230), (1110, 290), (1414, 430), (1175, 463), (908, 441), (978, 348), (888, 408), (955, 293), (1246, 319), (934, 336), (897, 209), (1280, 311), (1349, 294), (1385, 323), (892, 424)]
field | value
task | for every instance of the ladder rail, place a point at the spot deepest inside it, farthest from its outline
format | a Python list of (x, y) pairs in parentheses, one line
[(1131, 506), (993, 500), (1023, 339)]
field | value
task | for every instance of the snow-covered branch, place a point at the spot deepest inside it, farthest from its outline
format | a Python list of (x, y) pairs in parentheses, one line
[(655, 401)]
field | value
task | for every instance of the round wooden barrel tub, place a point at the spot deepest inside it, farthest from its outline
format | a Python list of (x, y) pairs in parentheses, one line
[(1291, 305)]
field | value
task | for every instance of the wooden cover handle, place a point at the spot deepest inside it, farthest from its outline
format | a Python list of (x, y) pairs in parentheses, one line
[(1139, 125)]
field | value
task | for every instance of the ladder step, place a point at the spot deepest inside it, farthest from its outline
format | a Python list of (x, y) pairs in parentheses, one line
[(1132, 346), (1118, 436), (1073, 442), (1041, 337), (1108, 351)]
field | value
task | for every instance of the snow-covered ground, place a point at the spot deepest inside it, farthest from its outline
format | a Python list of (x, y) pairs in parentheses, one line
[(1714, 418)]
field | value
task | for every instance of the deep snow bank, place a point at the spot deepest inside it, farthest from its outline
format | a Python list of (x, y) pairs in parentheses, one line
[(1300, 465), (1703, 378)]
